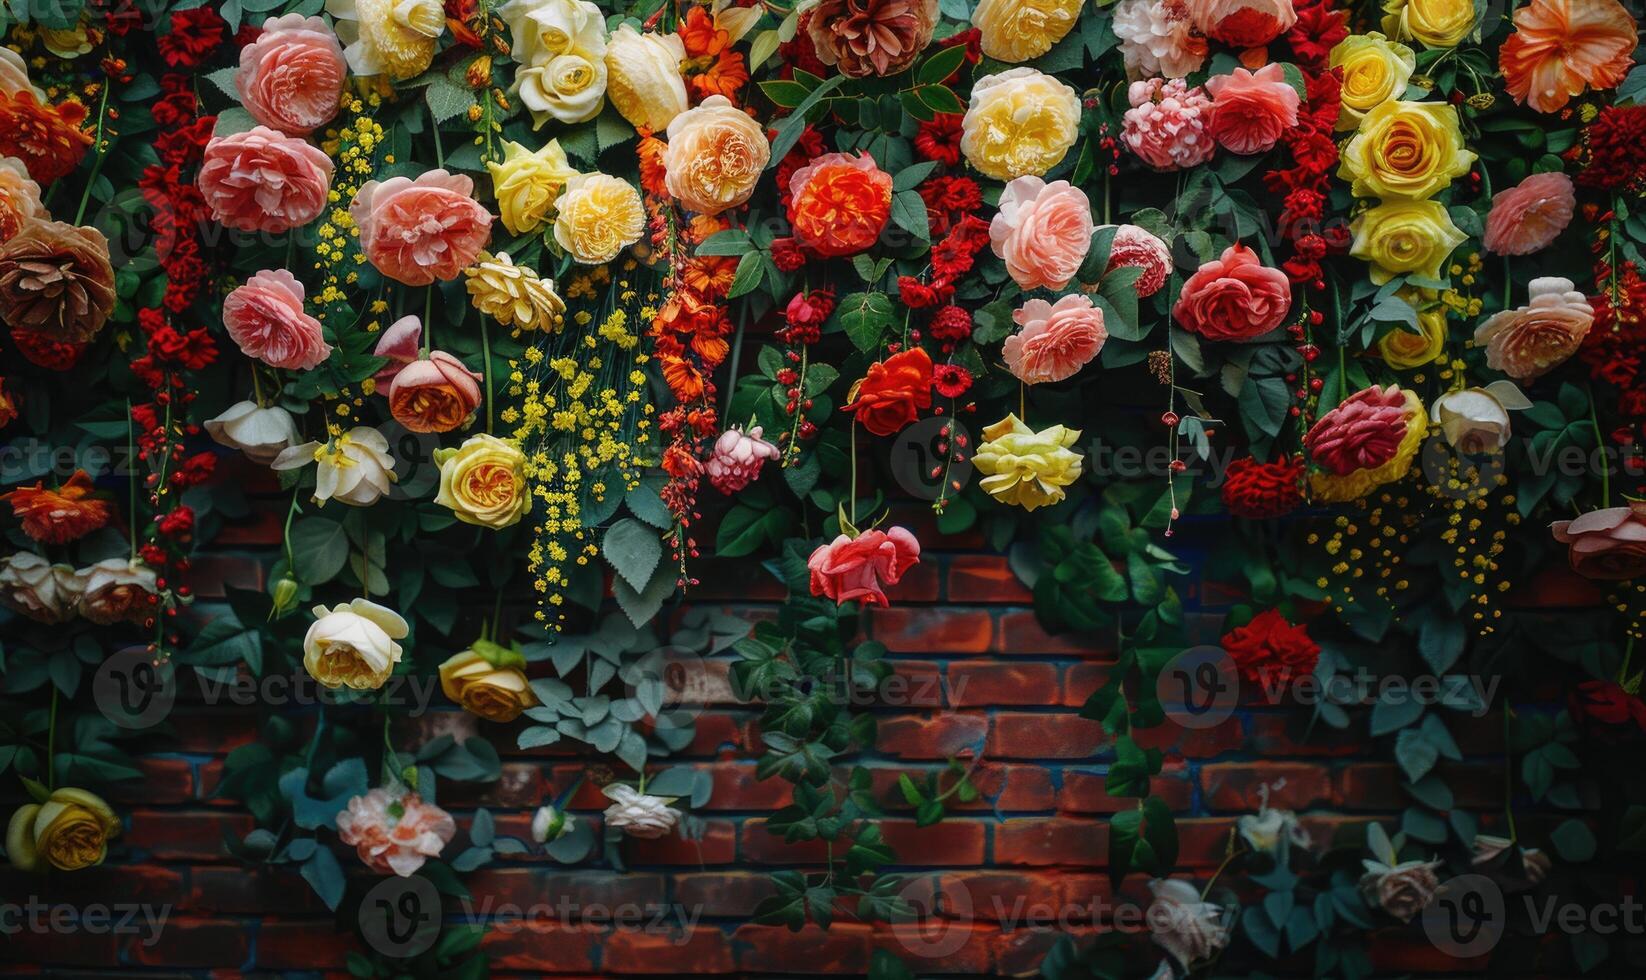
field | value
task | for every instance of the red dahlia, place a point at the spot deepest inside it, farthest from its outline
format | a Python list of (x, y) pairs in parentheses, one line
[(1262, 491)]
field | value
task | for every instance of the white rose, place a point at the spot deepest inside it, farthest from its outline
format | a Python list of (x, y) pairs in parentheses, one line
[(116, 590), (1476, 420), (355, 467), (36, 588), (549, 824), (260, 433), (1183, 925), (570, 88), (353, 645), (637, 814), (544, 29), (1266, 829), (646, 84)]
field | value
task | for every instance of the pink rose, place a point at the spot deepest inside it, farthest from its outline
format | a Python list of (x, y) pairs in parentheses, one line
[(292, 76), (1528, 342), (856, 568), (1056, 340), (264, 180), (389, 843), (417, 231), (1135, 248), (1043, 231), (1528, 216), (1250, 110), (1233, 297), (1606, 544), (436, 393), (265, 319), (1168, 124), (737, 458), (1363, 432), (1243, 23)]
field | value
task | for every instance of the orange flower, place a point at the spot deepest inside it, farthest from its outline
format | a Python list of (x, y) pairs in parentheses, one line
[(47, 138), (8, 406), (700, 35), (1561, 46), (839, 203), (651, 166), (62, 515), (711, 67), (702, 226), (683, 379), (894, 391), (711, 275)]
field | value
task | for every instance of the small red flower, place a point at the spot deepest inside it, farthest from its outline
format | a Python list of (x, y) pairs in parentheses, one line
[(1262, 491), (940, 139), (194, 35), (951, 380), (1271, 651)]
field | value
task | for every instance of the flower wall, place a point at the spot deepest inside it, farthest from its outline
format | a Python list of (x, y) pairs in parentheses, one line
[(885, 487)]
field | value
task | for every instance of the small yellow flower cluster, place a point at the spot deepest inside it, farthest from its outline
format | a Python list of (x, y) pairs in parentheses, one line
[(354, 147), (1465, 305)]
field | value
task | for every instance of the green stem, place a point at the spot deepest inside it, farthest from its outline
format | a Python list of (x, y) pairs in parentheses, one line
[(97, 161), (486, 361), (439, 151), (1600, 447), (1508, 774), (51, 742), (428, 320), (737, 356), (497, 618), (285, 537), (131, 461), (852, 496)]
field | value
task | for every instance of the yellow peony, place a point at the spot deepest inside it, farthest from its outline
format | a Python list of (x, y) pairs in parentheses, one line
[(1404, 236), (1020, 122), (645, 81), (514, 295), (1375, 70), (69, 831), (1437, 23), (488, 680), (600, 216), (484, 481), (353, 645), (528, 183), (1405, 151), (1403, 349), (1027, 468), (396, 38), (715, 156), (1017, 30), (1333, 488)]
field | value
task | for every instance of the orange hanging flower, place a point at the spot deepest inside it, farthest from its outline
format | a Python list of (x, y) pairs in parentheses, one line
[(1559, 47), (47, 138), (710, 275), (652, 180), (893, 392), (62, 515)]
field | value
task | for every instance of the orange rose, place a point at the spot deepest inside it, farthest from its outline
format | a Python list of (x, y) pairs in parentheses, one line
[(840, 203), (62, 515), (894, 391)]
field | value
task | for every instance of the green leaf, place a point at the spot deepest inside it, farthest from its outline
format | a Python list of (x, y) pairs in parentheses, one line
[(940, 66), (788, 134), (1574, 841), (751, 271), (865, 316), (633, 551), (320, 549), (909, 214)]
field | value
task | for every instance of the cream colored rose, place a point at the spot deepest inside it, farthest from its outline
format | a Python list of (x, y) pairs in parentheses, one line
[(568, 88), (69, 831), (484, 481), (1437, 23), (260, 433), (646, 84), (638, 814), (1017, 30), (353, 645), (14, 74), (488, 680), (1019, 122), (544, 29), (1375, 70), (116, 590), (396, 38), (34, 587), (527, 183), (1476, 420), (354, 467), (600, 216), (715, 156)]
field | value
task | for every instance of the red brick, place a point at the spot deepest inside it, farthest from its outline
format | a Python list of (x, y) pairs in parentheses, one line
[(1021, 632), (208, 574), (242, 891), (185, 836), (933, 737), (192, 942), (955, 842), (542, 947), (723, 893), (940, 630), (163, 781), (985, 578), (940, 945), (1194, 743), (302, 945), (972, 684), (844, 948), (1026, 736), (260, 527), (1051, 841), (513, 892), (703, 949), (718, 846), (1239, 786)]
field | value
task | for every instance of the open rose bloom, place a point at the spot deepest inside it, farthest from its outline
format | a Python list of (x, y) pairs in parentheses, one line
[(419, 231), (850, 568), (291, 76), (264, 180), (395, 834), (427, 393)]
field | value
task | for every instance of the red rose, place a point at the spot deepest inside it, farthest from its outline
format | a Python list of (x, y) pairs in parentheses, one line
[(1270, 651), (857, 568), (1234, 297), (839, 204), (894, 391)]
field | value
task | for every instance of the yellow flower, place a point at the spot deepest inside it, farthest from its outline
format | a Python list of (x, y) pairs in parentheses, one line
[(1017, 30), (1019, 122), (513, 294), (69, 831), (527, 184), (396, 38), (1375, 70), (488, 680), (484, 481), (1333, 488), (1404, 349), (1405, 151), (1027, 468), (715, 156), (1437, 23), (599, 217), (1405, 236), (645, 82), (353, 645)]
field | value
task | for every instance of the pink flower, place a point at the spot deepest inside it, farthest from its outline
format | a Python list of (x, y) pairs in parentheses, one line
[(1528, 342), (426, 394), (394, 835), (417, 231), (1056, 340), (1134, 247), (1234, 297), (265, 319), (264, 180), (1043, 231), (291, 77), (1167, 124), (1363, 432), (737, 459), (1606, 544), (1250, 110), (1528, 216), (857, 568), (1244, 23), (1158, 37)]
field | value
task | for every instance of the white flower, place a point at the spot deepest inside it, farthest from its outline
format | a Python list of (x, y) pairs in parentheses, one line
[(355, 467), (353, 645), (638, 814), (116, 590), (569, 88), (14, 76), (646, 85), (1266, 829), (1476, 420), (549, 824), (544, 29), (388, 37), (1183, 925), (1157, 38), (36, 588), (260, 433)]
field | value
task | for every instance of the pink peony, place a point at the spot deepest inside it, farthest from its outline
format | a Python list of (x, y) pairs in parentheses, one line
[(1528, 216), (1244, 23), (1528, 342), (264, 180), (417, 231), (1234, 297), (857, 568), (1167, 125), (737, 458), (1056, 340), (1043, 231), (1363, 432), (265, 319), (1136, 248), (1606, 544), (1250, 110), (395, 835), (433, 393), (292, 76)]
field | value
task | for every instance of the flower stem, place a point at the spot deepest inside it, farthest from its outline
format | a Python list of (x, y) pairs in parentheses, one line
[(101, 154), (1600, 447), (486, 364), (131, 463), (51, 741)]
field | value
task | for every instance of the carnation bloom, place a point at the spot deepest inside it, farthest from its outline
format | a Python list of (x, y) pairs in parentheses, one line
[(1608, 544), (396, 38), (1018, 30), (839, 203), (1367, 440), (1251, 110), (264, 180), (893, 392), (394, 834), (527, 184), (1271, 652), (850, 568), (1262, 491), (599, 217), (354, 467), (1025, 468), (1158, 37), (418, 231), (56, 281), (1168, 125), (737, 457), (47, 138), (427, 393), (1244, 23), (715, 156), (1529, 216), (1561, 47), (33, 587), (291, 77), (1233, 297), (1019, 122), (117, 590), (62, 515), (1056, 340), (1042, 231), (266, 320), (1528, 342), (871, 37)]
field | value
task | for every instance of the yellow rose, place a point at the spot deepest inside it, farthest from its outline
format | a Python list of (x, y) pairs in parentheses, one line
[(527, 184), (1375, 70), (69, 831), (1333, 488), (1403, 349), (484, 481), (646, 84), (1027, 468), (353, 645), (396, 38), (599, 217), (1019, 122), (1437, 23), (715, 156), (488, 680), (514, 295), (1405, 151), (1404, 236), (1017, 30)]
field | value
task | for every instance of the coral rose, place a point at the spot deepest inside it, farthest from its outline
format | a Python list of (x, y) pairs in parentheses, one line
[(19, 197), (59, 516), (1271, 652), (1562, 47), (599, 217), (1056, 340), (1367, 440), (715, 156), (1169, 124), (1244, 23), (427, 393), (1042, 231), (291, 77), (1375, 70), (1607, 544), (1018, 30), (1233, 297), (871, 37), (850, 568), (1251, 110), (1025, 468), (484, 481), (1020, 122), (394, 835), (527, 184), (1528, 342), (839, 203), (264, 180), (1406, 151), (1134, 247), (265, 319), (893, 393), (56, 281), (645, 82), (417, 231), (1529, 216), (1404, 236)]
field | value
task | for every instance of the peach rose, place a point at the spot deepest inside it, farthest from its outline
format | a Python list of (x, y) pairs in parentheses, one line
[(840, 203), (417, 231), (433, 393), (715, 156), (1528, 216), (394, 835), (1043, 231), (19, 197), (1243, 23), (1606, 544), (1234, 297), (264, 180), (292, 76), (1250, 110), (1528, 342), (265, 319), (1056, 339)]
